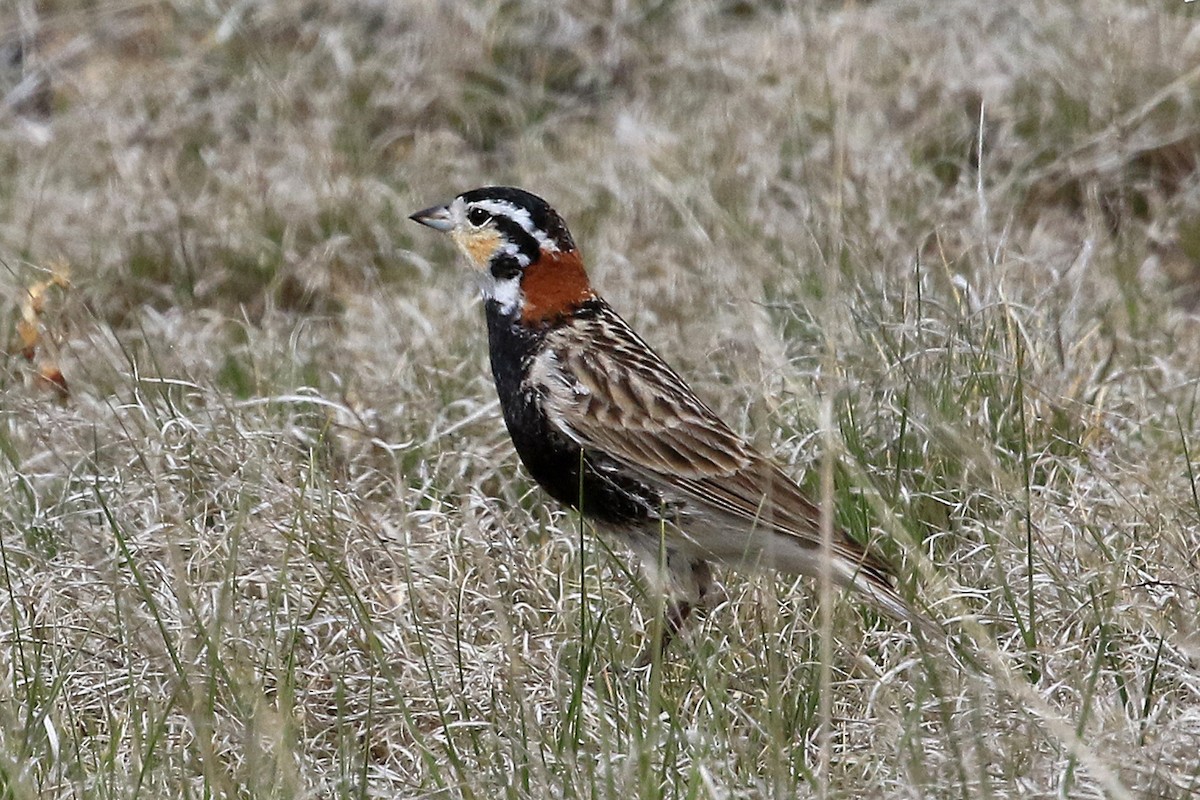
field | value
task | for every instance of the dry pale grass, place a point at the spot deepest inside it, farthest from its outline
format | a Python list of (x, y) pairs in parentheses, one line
[(273, 541)]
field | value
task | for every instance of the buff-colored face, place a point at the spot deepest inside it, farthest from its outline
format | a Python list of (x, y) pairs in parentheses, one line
[(478, 244), (524, 267), (471, 226), (474, 229)]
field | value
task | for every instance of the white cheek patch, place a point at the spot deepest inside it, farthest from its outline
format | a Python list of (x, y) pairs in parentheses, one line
[(505, 292), (511, 249)]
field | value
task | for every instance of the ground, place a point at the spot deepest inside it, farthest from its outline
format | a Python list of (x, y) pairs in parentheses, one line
[(264, 534)]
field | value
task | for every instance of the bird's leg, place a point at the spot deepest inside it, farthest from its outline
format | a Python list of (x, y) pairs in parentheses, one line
[(691, 579), (674, 618)]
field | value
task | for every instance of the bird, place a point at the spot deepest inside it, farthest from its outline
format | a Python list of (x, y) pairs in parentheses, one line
[(606, 427)]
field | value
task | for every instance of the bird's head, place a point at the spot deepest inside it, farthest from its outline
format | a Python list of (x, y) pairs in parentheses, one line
[(521, 247)]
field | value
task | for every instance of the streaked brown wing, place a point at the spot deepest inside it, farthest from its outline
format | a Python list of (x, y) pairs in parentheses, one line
[(615, 395)]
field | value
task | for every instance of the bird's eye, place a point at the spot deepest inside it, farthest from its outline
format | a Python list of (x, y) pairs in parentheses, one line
[(477, 217)]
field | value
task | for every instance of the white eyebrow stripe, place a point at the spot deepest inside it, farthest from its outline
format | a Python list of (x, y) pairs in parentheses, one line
[(519, 215)]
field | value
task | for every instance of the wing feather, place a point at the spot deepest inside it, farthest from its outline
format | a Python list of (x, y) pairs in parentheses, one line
[(617, 396)]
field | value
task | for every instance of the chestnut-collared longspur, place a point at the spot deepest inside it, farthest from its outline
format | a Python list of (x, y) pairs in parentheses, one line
[(606, 427)]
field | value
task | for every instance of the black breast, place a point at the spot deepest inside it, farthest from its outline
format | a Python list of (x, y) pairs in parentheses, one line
[(585, 480)]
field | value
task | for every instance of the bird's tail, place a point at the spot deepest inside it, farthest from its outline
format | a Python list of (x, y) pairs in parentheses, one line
[(876, 586)]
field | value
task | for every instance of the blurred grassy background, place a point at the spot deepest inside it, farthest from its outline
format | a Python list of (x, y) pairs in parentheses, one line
[(266, 537)]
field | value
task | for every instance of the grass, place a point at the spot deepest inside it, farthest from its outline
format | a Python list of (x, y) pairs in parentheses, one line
[(272, 540)]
